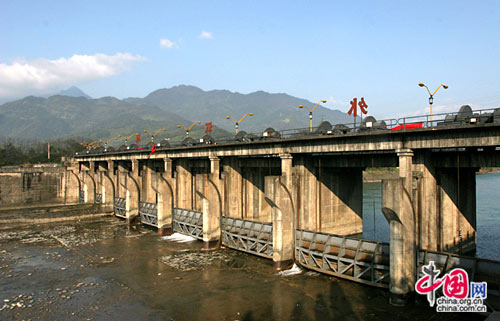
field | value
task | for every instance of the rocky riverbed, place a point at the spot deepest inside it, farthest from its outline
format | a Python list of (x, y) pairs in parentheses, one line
[(100, 269)]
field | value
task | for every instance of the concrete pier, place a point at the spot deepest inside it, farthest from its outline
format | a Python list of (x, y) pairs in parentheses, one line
[(262, 195)]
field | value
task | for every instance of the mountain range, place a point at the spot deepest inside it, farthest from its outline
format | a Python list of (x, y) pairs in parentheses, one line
[(73, 113)]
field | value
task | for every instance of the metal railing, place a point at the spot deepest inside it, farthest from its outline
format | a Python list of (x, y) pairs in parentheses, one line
[(120, 207), (148, 213), (469, 118), (248, 236), (354, 259), (188, 222)]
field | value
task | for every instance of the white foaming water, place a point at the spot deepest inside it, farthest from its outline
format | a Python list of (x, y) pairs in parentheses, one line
[(294, 270), (179, 238)]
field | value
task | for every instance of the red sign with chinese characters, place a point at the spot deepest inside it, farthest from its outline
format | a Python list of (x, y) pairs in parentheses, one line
[(354, 107), (209, 127)]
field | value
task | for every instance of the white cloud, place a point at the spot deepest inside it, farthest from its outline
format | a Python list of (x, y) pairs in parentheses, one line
[(437, 110), (41, 76), (333, 103), (165, 43), (206, 35)]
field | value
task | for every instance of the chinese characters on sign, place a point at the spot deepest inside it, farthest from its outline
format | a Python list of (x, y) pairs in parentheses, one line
[(354, 108), (455, 287), (209, 127)]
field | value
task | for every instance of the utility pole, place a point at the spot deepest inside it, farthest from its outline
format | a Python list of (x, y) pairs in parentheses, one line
[(48, 150)]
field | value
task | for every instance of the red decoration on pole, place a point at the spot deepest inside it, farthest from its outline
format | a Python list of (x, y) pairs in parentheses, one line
[(137, 137), (153, 149), (209, 127), (354, 108)]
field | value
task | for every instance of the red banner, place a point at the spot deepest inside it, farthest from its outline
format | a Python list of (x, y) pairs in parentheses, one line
[(209, 127)]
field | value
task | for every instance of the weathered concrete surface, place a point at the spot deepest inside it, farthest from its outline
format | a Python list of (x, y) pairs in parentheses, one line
[(24, 185), (12, 216), (102, 270)]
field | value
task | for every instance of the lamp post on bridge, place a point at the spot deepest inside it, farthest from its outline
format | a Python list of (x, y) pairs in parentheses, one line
[(187, 129), (431, 96), (154, 134), (311, 113), (237, 123)]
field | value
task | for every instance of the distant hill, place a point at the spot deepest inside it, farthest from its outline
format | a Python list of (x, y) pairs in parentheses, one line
[(73, 92), (279, 111), (64, 116)]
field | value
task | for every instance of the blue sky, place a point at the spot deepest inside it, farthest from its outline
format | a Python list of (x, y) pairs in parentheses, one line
[(330, 50)]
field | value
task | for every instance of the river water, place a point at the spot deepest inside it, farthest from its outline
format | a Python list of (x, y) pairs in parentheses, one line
[(100, 269), (487, 209)]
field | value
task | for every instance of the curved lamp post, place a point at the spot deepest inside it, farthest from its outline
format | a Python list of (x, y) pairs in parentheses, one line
[(127, 138), (311, 113), (237, 123), (154, 134), (187, 129), (431, 96)]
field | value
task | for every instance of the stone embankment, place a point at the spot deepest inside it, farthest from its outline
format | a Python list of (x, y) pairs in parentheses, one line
[(48, 213)]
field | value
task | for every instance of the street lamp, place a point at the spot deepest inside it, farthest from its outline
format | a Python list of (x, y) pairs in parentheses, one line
[(127, 138), (153, 135), (431, 96), (237, 123), (311, 113), (189, 128), (109, 140)]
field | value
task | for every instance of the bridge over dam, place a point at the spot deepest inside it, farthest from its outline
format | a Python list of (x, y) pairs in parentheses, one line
[(300, 200)]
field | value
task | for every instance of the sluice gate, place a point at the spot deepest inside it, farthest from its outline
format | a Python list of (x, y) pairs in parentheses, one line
[(120, 207), (349, 258), (248, 236), (81, 196), (188, 222), (148, 213)]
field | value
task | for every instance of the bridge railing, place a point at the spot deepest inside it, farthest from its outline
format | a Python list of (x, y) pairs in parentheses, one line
[(468, 117)]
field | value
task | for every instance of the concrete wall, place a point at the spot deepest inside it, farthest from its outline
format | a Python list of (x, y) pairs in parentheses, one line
[(328, 199), (31, 185)]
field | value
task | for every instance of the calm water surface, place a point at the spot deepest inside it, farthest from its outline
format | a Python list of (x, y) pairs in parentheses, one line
[(376, 227)]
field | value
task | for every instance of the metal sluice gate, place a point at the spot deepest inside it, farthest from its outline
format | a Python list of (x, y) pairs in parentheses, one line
[(148, 213), (248, 236), (188, 222), (349, 258), (478, 270), (120, 204), (81, 196)]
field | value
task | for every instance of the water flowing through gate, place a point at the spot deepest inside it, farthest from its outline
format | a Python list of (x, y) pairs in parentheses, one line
[(188, 222)]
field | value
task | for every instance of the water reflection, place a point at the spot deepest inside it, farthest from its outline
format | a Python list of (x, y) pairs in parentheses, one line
[(375, 226)]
